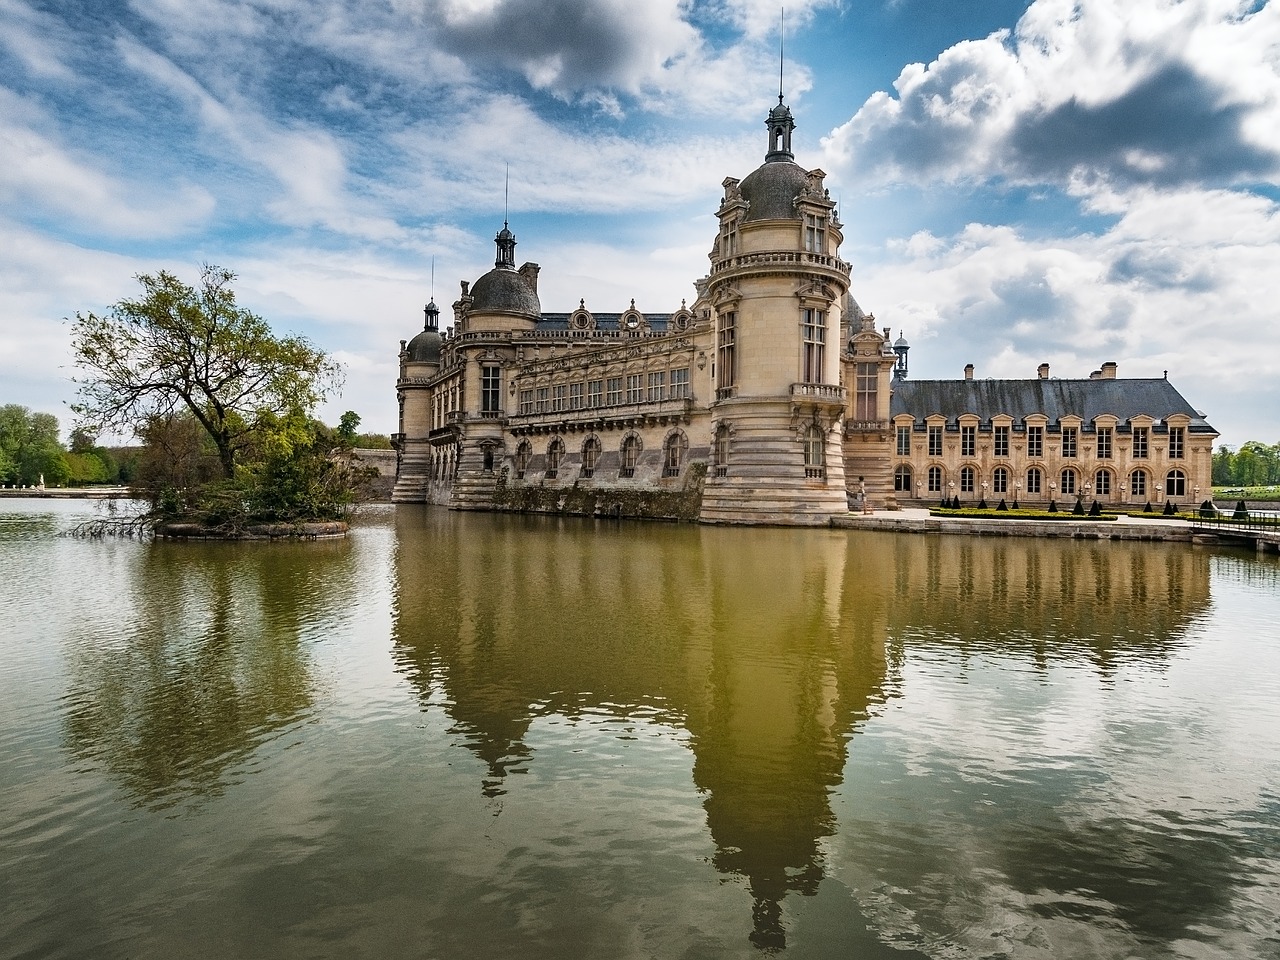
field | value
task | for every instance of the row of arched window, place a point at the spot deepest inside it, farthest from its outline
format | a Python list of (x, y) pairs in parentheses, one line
[(675, 449), (1069, 482)]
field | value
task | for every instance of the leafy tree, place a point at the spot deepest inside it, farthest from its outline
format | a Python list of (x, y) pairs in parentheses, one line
[(193, 350), (29, 447)]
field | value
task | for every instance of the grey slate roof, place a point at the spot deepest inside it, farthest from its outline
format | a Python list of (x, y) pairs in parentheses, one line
[(604, 321), (503, 290), (771, 190), (1087, 399)]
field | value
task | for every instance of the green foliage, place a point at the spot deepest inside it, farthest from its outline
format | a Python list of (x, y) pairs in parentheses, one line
[(29, 448), (372, 441), (1255, 464), (193, 351)]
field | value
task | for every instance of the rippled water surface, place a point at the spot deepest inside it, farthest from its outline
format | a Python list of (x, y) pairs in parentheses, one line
[(459, 736)]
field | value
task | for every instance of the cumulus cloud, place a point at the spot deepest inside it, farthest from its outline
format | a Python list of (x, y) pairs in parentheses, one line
[(1179, 268), (1084, 93)]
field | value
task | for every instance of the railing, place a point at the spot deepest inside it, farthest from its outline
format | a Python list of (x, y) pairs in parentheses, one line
[(820, 391), (866, 426), (781, 259), (671, 407), (726, 393)]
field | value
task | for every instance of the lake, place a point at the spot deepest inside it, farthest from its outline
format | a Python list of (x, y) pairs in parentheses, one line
[(467, 735)]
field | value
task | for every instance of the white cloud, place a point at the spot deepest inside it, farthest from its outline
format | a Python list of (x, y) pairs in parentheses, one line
[(41, 171), (1144, 91), (1183, 281)]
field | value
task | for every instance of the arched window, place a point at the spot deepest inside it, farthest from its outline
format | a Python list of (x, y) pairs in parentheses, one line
[(673, 451), (815, 452), (1138, 483), (1175, 484), (1000, 480), (722, 450), (1102, 483), (902, 479), (630, 456), (1034, 479), (1067, 480), (590, 457), (967, 475), (524, 453), (935, 479), (555, 453)]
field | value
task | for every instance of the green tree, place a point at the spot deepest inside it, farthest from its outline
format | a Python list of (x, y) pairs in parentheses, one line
[(29, 447), (193, 350)]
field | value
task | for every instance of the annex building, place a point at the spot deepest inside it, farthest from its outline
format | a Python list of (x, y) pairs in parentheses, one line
[(772, 398)]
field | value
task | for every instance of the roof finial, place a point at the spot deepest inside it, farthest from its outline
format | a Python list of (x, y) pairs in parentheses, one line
[(782, 38), (506, 193)]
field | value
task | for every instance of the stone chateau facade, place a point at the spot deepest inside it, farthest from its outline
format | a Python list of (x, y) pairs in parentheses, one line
[(772, 398)]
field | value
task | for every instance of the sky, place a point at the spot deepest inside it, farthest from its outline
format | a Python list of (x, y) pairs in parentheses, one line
[(1020, 182)]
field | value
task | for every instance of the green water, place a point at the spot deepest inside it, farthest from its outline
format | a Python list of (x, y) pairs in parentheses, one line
[(458, 735)]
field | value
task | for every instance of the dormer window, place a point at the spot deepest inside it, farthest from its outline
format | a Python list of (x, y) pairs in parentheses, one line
[(815, 233)]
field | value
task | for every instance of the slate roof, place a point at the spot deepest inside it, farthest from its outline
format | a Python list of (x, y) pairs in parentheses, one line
[(771, 190), (503, 290), (604, 321), (1087, 399)]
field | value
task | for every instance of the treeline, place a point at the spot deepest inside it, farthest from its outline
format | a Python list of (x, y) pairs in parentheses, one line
[(173, 449), (30, 450), (1253, 465)]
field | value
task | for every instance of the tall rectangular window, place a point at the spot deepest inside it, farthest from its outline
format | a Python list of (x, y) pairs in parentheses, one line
[(1104, 443), (613, 391), (968, 440), (1001, 442), (544, 394), (726, 372), (575, 396), (729, 235), (526, 402), (657, 385), (1177, 442), (1070, 442), (935, 440), (815, 233), (559, 397), (680, 383), (490, 390), (904, 441), (1141, 438), (595, 393), (813, 331), (635, 392), (1035, 441), (866, 397)]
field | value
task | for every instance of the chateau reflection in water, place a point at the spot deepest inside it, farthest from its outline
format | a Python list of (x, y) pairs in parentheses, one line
[(770, 647)]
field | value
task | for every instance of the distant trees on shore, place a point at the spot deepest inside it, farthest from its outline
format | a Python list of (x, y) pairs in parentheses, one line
[(30, 449), (1255, 464)]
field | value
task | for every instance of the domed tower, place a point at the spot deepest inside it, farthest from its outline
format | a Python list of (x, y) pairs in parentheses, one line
[(501, 304), (776, 287), (419, 363)]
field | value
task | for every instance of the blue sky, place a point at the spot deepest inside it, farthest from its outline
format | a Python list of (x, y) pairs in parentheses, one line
[(1053, 181)]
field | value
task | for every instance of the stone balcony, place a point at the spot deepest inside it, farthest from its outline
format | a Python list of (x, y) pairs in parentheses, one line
[(620, 416)]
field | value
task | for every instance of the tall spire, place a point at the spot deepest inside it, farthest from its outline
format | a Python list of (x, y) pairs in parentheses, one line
[(506, 240), (779, 121)]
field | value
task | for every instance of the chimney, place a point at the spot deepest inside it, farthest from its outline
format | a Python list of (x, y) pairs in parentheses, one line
[(1044, 371), (530, 273), (1109, 370), (968, 371), (1095, 375)]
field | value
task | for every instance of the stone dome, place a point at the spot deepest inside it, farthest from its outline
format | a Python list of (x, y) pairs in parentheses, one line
[(771, 190), (425, 347), (503, 290)]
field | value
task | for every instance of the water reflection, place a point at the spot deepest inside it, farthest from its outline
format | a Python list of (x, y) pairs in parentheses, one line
[(772, 648), (211, 664)]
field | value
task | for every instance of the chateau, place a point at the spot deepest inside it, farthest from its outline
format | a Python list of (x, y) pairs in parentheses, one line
[(771, 398)]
